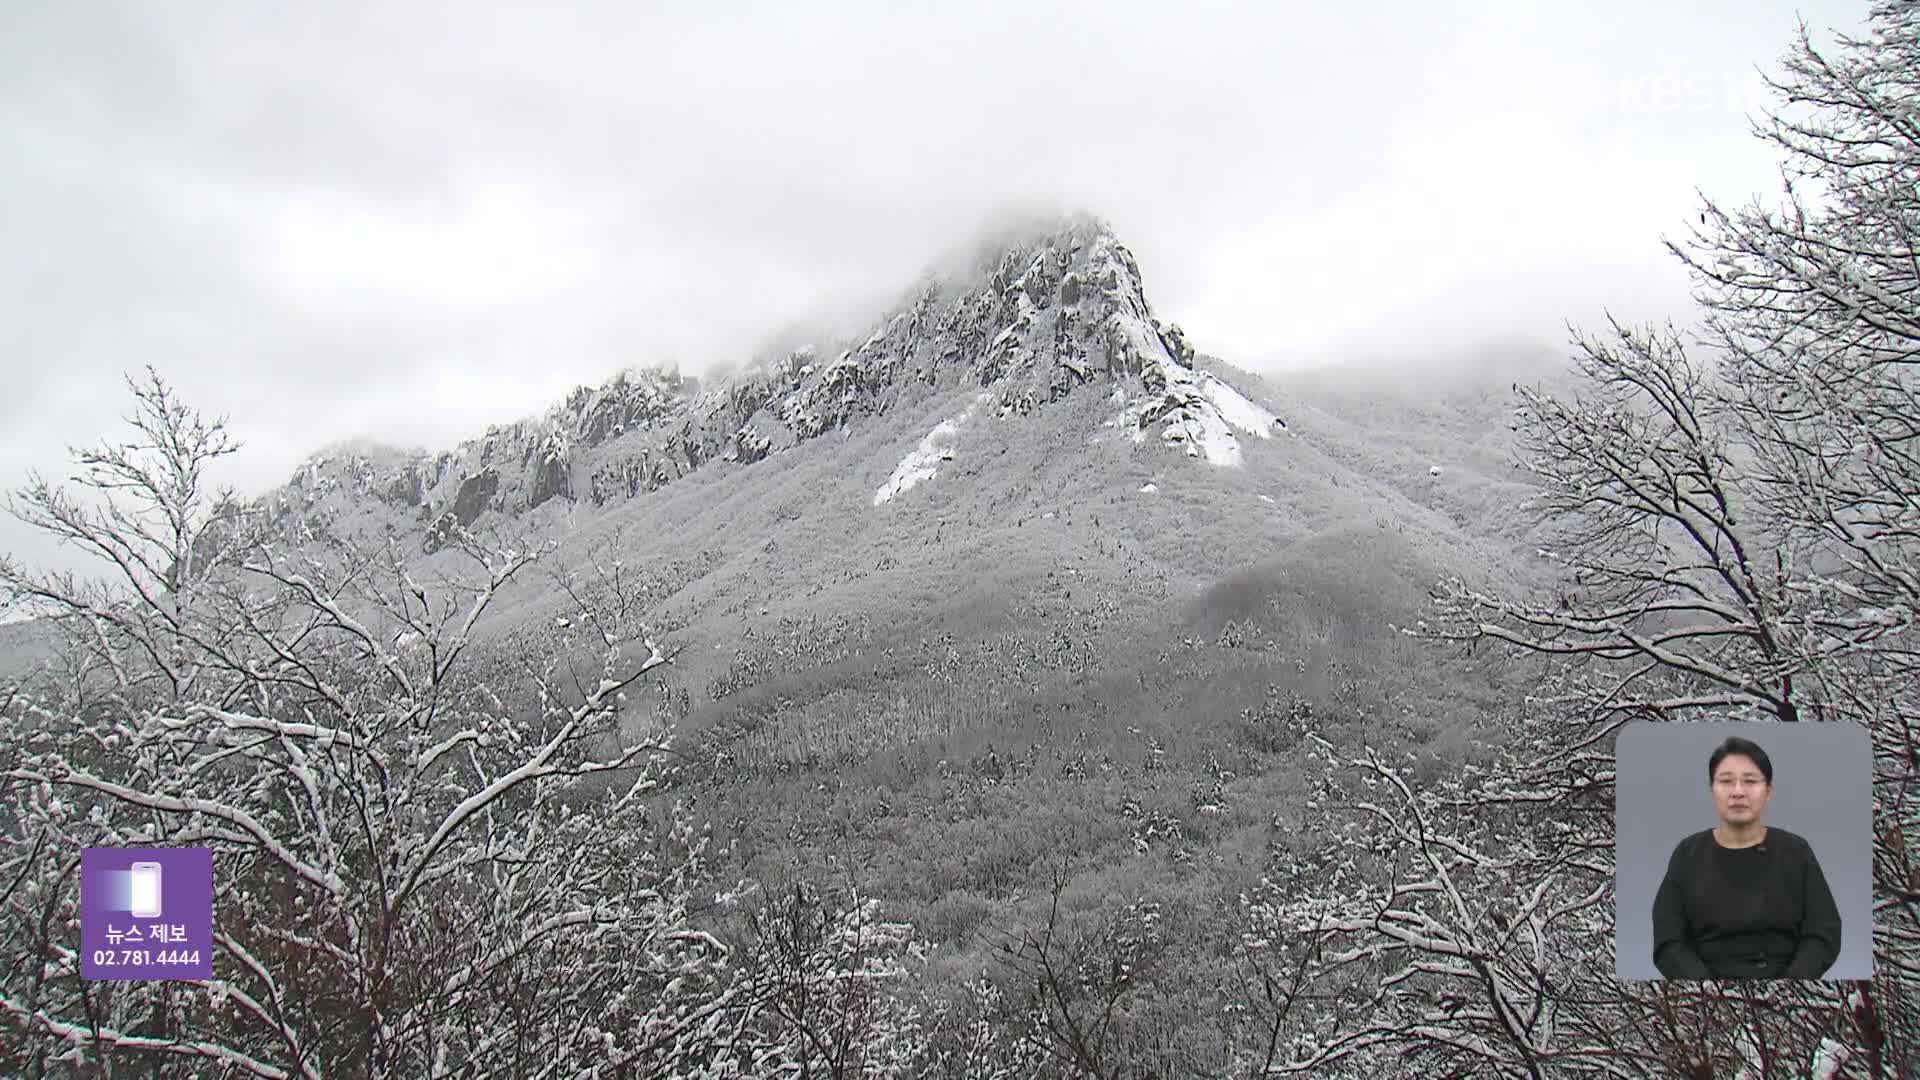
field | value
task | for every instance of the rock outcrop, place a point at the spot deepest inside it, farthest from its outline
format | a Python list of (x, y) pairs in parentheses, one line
[(1030, 325)]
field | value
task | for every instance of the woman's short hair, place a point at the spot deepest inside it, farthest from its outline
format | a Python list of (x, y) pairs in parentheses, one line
[(1745, 748)]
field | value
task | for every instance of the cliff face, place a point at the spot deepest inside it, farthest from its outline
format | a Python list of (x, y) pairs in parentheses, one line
[(1045, 317)]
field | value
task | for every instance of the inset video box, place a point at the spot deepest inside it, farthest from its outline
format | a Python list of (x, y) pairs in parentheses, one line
[(1743, 850)]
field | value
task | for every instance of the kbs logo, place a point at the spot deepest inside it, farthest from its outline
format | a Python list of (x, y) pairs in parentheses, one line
[(1731, 92)]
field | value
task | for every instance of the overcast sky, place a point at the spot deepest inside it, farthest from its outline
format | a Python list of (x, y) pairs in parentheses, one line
[(410, 220)]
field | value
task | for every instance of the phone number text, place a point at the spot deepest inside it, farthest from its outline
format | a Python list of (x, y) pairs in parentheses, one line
[(144, 957)]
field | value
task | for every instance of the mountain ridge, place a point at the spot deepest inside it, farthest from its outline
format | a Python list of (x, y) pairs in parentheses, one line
[(1010, 482), (1063, 309)]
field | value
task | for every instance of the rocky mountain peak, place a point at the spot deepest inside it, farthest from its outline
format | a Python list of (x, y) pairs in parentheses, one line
[(1037, 316)]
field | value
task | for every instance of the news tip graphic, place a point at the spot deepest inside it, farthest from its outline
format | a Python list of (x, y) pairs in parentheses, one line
[(146, 913)]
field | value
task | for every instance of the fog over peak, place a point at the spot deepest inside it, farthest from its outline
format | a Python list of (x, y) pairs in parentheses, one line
[(407, 222)]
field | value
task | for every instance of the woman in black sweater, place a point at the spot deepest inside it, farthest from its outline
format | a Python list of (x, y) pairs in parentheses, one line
[(1744, 900)]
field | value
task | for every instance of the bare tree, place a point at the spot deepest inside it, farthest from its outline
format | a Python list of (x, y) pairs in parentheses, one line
[(418, 869), (827, 978), (1452, 933), (1078, 981), (151, 520), (1737, 521)]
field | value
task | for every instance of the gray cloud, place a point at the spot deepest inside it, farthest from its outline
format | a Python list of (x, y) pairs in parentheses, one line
[(412, 220)]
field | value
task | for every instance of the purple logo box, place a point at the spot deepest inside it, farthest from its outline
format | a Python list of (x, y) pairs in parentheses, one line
[(146, 913)]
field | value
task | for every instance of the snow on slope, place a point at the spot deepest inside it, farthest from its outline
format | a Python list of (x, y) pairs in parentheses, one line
[(1238, 411), (922, 462), (1206, 434), (1199, 411), (1209, 431), (1195, 408)]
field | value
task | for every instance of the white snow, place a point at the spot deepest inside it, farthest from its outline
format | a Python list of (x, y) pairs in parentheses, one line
[(1828, 1059), (1238, 411), (1146, 343), (1205, 432), (1208, 408), (921, 463), (1212, 410)]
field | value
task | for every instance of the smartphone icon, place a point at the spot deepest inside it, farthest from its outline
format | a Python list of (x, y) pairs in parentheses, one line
[(145, 891)]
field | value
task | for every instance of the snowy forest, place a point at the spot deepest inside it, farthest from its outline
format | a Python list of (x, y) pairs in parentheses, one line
[(436, 856)]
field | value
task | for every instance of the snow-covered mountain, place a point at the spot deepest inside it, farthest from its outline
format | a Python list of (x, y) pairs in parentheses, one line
[(1020, 446), (1058, 314), (1012, 578)]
